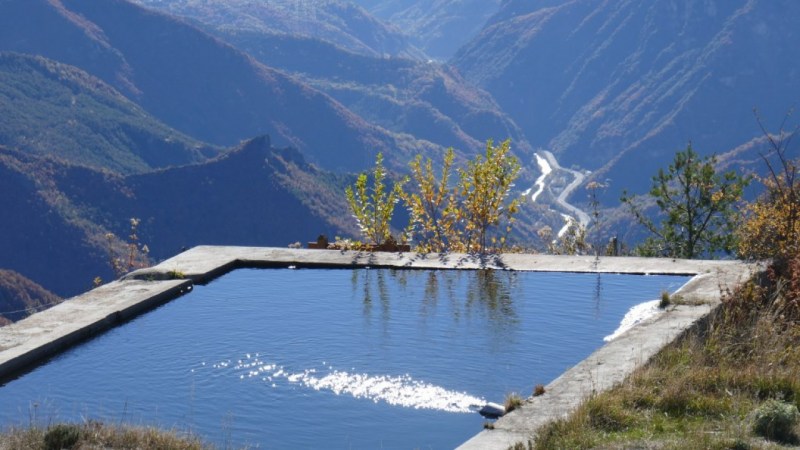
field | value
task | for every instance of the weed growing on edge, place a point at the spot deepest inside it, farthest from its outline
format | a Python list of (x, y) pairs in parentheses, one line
[(134, 255), (176, 274), (513, 401), (665, 300)]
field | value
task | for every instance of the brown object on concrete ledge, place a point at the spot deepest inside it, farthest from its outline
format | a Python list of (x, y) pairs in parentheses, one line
[(390, 245), (321, 244)]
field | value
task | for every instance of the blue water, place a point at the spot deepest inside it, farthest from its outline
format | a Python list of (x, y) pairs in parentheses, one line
[(313, 358)]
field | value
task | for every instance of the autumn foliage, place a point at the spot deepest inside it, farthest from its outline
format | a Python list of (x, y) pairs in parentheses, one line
[(772, 227), (474, 214)]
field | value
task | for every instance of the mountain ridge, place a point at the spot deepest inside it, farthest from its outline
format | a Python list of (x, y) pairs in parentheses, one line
[(617, 86), (202, 86), (406, 96), (286, 200)]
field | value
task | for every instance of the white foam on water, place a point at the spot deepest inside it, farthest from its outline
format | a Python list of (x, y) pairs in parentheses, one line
[(634, 316), (401, 390)]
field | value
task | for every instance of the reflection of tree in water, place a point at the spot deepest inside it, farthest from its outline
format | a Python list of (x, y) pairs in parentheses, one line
[(400, 276), (369, 280), (488, 293), (491, 291), (438, 286), (431, 297), (598, 295)]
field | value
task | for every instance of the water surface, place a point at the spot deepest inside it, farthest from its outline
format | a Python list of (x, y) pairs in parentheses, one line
[(315, 358)]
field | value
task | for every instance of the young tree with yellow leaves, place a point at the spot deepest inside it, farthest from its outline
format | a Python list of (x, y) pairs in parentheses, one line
[(443, 218), (373, 207), (433, 208), (485, 186)]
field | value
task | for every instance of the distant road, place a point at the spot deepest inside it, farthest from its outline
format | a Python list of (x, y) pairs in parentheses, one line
[(546, 169), (581, 215)]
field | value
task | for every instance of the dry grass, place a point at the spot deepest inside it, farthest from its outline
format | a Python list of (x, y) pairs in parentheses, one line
[(700, 393), (512, 402), (95, 435)]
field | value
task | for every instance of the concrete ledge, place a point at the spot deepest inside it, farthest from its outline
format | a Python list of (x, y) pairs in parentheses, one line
[(40, 336), (206, 262), (602, 370)]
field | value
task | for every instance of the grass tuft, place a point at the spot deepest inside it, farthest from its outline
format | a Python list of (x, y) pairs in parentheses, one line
[(513, 401), (608, 414), (665, 300), (94, 434), (62, 436)]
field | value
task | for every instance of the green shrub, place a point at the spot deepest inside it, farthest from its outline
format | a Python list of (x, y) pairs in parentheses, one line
[(698, 208), (775, 420), (62, 436)]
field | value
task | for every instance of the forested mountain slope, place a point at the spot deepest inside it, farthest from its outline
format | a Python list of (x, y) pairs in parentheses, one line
[(439, 27), (192, 81), (49, 108), (416, 98), (339, 22), (21, 297), (617, 86)]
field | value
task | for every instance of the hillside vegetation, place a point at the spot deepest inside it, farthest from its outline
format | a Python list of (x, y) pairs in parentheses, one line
[(49, 108), (338, 22), (21, 297)]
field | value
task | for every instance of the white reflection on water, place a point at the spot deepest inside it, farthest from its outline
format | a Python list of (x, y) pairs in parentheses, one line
[(634, 316), (398, 391), (401, 390)]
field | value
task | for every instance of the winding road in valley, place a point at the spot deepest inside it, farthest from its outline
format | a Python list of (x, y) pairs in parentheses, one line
[(548, 164)]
